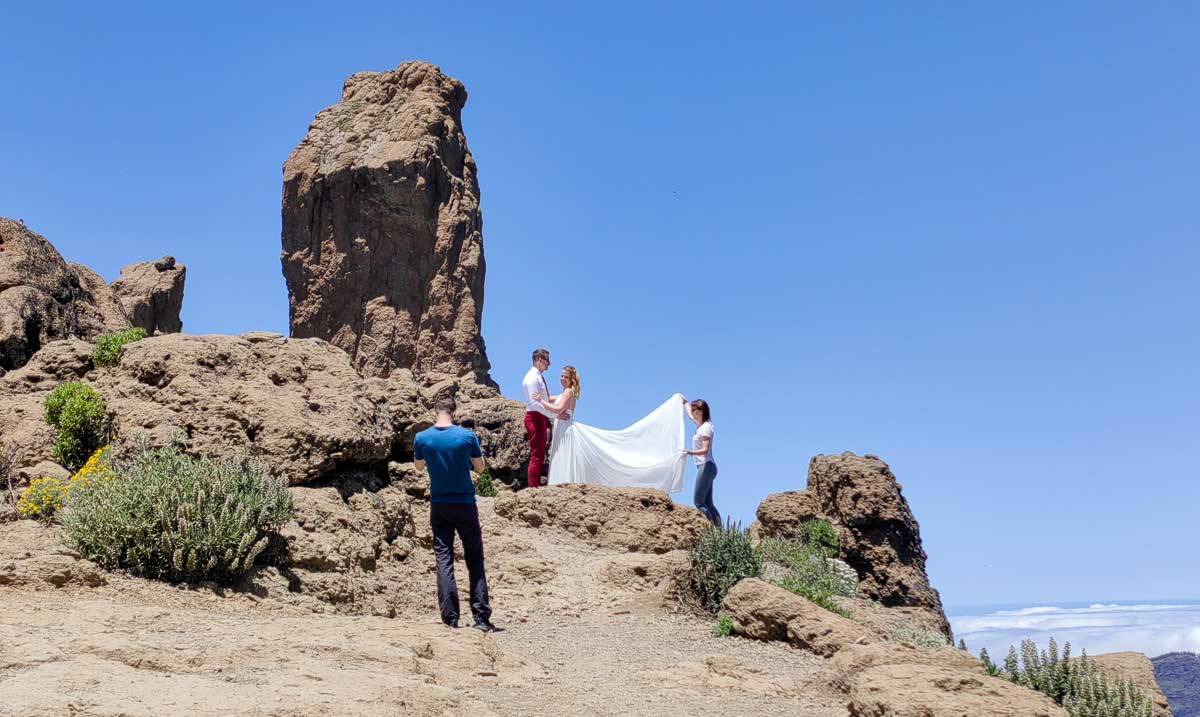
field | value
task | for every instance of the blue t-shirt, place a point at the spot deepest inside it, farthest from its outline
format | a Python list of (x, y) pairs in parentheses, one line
[(447, 453)]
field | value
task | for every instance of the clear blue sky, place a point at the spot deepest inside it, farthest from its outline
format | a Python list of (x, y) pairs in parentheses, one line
[(961, 236)]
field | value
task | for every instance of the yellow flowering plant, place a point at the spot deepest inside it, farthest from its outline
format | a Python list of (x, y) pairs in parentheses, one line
[(42, 498)]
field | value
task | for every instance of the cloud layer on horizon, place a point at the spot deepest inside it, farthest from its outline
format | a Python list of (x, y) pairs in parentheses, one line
[(1099, 628)]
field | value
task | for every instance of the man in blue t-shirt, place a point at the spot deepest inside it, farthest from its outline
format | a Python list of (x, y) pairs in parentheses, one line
[(450, 452)]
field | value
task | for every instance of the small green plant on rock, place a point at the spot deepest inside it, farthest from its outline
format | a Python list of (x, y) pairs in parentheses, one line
[(166, 515), (76, 411), (485, 487), (723, 627), (722, 556), (108, 347), (822, 534)]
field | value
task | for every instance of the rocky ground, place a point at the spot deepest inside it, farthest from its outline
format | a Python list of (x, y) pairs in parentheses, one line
[(587, 629)]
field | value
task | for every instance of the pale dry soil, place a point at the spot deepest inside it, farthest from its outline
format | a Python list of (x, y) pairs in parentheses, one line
[(587, 631)]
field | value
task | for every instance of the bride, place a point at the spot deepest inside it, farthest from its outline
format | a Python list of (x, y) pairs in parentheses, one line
[(647, 454)]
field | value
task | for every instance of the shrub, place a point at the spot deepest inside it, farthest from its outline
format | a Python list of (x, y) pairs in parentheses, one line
[(43, 498), (76, 411), (723, 627), (1078, 685), (167, 515), (722, 556), (108, 347), (922, 638), (485, 486), (808, 571), (821, 533)]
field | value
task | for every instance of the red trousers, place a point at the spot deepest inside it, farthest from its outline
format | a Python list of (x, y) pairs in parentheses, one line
[(537, 426)]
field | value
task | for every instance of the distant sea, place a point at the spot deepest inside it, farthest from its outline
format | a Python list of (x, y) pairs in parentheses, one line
[(1152, 627)]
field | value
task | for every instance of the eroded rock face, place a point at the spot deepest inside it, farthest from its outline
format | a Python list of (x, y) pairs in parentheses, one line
[(43, 298), (916, 690), (633, 519), (782, 515), (382, 233), (879, 536), (296, 404), (151, 295)]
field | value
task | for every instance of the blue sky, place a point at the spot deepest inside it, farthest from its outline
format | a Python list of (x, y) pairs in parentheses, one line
[(961, 237)]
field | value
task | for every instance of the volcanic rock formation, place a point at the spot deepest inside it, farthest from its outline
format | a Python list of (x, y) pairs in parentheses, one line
[(382, 233), (878, 535), (44, 298)]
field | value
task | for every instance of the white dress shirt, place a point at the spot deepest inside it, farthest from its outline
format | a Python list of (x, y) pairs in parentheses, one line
[(534, 383)]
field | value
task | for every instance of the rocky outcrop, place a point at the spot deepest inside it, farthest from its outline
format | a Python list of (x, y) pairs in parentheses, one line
[(879, 536), (382, 233), (877, 533), (633, 519), (43, 298), (296, 404), (151, 295), (782, 515), (1137, 667)]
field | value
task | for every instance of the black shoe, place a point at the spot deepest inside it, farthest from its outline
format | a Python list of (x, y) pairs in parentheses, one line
[(484, 626), (451, 624)]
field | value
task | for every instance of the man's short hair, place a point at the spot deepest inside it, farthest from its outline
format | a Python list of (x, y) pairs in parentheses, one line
[(445, 405), (542, 354)]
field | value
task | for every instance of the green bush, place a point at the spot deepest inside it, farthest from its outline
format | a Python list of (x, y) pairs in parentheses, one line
[(922, 638), (722, 556), (77, 412), (485, 487), (170, 516), (108, 347), (822, 534), (808, 571), (1079, 685), (723, 627)]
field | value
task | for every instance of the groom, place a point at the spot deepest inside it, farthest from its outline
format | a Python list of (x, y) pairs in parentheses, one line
[(537, 418)]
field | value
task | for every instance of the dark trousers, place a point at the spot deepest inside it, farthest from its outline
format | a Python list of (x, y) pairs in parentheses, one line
[(703, 497), (445, 519), (538, 427)]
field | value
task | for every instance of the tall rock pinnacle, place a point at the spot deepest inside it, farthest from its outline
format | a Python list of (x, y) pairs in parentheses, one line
[(382, 234)]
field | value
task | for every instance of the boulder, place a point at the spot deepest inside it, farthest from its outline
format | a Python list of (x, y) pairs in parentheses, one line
[(43, 298), (634, 519), (764, 611), (1137, 667), (32, 555), (878, 534), (151, 295), (44, 469), (781, 515), (919, 690), (382, 233), (296, 404)]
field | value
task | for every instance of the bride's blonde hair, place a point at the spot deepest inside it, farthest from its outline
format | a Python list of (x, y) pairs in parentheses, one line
[(572, 379)]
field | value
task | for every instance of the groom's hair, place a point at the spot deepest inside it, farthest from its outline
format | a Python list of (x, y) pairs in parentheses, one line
[(542, 354), (445, 405)]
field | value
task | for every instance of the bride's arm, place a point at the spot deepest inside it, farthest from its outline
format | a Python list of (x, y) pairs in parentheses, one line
[(559, 403)]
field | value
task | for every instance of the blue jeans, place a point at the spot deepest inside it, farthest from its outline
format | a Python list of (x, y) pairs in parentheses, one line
[(703, 498)]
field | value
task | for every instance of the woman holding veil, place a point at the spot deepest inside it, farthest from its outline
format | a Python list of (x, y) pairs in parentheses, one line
[(647, 454)]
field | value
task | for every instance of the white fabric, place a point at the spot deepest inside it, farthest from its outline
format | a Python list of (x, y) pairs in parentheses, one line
[(705, 429), (535, 383), (648, 454)]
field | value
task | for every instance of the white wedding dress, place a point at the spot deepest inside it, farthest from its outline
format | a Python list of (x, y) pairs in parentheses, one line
[(647, 454)]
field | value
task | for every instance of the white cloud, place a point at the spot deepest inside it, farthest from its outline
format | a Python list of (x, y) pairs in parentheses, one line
[(1099, 628)]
